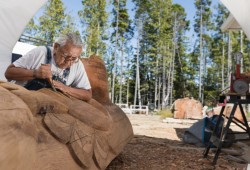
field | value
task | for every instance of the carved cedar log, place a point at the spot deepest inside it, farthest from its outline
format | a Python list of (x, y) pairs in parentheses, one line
[(47, 130), (18, 133), (121, 131)]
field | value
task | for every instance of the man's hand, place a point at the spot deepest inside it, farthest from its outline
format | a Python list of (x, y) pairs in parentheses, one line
[(43, 72), (60, 86), (81, 94)]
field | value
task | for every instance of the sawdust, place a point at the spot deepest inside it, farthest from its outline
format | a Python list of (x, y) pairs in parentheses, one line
[(159, 146)]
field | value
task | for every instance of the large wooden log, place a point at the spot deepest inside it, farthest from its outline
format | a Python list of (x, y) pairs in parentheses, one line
[(187, 108), (48, 130), (18, 133)]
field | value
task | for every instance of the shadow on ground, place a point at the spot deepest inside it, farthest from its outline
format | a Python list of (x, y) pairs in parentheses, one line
[(148, 153)]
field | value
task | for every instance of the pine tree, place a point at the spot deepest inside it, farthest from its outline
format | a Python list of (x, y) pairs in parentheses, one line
[(156, 38), (69, 25), (202, 26), (51, 23), (182, 68), (52, 20), (31, 29), (120, 38), (218, 52), (94, 22)]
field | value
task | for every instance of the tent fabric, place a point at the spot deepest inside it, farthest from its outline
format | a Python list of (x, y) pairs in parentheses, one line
[(22, 48), (230, 24), (194, 135), (240, 11), (14, 16), (200, 132)]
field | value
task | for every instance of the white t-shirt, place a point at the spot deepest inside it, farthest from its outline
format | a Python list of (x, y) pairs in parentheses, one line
[(33, 59)]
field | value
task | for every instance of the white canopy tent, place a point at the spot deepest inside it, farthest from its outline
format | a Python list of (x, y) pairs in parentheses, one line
[(240, 12), (14, 16), (230, 24), (22, 48)]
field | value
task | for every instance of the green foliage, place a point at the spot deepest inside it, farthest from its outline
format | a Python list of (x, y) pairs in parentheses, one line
[(31, 29), (94, 22), (218, 59), (248, 115), (51, 23), (52, 20), (122, 23), (182, 67), (165, 113), (120, 37), (204, 10), (153, 20), (69, 25)]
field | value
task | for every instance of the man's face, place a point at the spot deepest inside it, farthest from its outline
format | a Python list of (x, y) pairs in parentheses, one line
[(66, 55)]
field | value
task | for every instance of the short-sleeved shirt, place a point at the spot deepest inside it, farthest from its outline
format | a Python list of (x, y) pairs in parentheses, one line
[(77, 77)]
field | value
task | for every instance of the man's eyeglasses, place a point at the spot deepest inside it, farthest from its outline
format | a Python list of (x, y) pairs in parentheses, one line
[(69, 58)]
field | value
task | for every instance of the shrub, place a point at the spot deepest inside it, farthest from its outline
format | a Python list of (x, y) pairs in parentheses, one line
[(165, 113)]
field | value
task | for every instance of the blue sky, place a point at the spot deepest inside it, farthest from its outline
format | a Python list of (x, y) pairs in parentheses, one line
[(190, 10), (189, 7), (73, 6)]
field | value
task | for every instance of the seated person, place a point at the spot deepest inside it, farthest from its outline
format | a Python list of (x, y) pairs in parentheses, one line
[(59, 66)]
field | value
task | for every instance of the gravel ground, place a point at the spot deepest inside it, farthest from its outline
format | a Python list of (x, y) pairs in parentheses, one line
[(159, 146)]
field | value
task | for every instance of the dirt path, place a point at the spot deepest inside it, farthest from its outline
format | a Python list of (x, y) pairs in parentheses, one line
[(158, 146)]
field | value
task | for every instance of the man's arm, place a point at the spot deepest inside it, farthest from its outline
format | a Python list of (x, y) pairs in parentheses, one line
[(17, 73), (22, 74), (81, 94)]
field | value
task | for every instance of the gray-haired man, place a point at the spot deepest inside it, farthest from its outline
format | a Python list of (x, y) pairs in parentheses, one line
[(60, 63)]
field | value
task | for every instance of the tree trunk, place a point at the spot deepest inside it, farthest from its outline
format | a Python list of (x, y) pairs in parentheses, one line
[(169, 81), (127, 90), (138, 73), (173, 62), (159, 93), (121, 74), (164, 81), (222, 63), (116, 45), (229, 62), (241, 50), (98, 37), (156, 82), (201, 58)]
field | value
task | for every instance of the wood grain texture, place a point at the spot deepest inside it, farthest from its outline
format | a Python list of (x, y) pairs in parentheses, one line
[(67, 133), (17, 135)]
